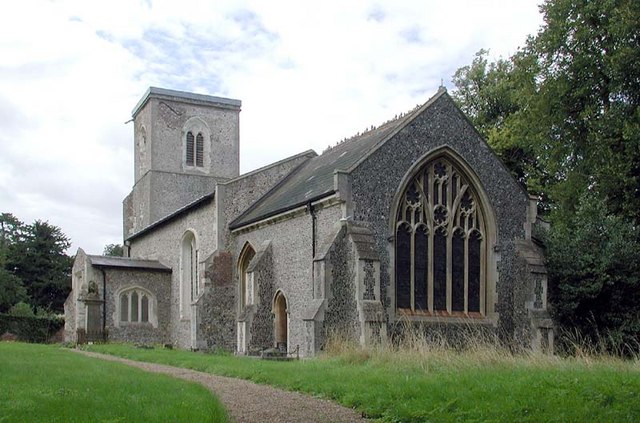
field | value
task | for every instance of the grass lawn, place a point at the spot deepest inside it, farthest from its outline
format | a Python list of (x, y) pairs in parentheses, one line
[(439, 387), (45, 383)]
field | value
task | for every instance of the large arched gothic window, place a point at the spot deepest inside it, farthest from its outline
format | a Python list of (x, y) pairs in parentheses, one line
[(440, 244), (189, 278)]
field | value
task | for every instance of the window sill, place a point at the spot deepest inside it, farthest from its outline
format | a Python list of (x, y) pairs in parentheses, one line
[(458, 317), (136, 324)]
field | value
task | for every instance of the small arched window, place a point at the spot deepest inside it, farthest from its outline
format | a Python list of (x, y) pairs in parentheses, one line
[(199, 150), (137, 305), (190, 149), (194, 155), (440, 244)]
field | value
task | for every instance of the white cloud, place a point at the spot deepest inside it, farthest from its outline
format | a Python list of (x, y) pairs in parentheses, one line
[(309, 74)]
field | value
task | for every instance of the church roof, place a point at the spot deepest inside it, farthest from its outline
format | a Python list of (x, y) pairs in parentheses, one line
[(127, 263), (313, 180)]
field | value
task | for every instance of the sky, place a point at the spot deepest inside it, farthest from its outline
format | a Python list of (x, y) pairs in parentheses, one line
[(309, 74)]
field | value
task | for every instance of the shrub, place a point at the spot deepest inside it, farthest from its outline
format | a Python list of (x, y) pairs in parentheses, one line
[(30, 328), (21, 309), (594, 278)]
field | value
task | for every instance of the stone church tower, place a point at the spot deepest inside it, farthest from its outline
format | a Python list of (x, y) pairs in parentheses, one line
[(203, 128)]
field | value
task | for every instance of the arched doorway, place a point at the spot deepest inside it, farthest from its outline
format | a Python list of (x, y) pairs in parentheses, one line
[(281, 322)]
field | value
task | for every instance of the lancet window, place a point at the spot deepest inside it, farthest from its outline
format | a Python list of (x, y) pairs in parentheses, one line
[(195, 149)]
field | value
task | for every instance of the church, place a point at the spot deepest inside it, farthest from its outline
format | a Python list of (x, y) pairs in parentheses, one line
[(414, 223)]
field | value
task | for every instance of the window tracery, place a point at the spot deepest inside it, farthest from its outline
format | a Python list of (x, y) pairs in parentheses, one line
[(440, 252), (136, 306)]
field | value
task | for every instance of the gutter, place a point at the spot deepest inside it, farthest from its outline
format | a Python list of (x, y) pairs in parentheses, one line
[(233, 227)]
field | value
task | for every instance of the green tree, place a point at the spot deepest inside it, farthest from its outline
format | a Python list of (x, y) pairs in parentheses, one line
[(563, 111), (495, 97), (594, 274), (564, 115), (39, 260), (588, 97), (114, 250), (12, 289), (21, 309), (10, 230)]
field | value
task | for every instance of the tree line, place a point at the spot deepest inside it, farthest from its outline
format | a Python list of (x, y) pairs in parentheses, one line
[(562, 113), (35, 271)]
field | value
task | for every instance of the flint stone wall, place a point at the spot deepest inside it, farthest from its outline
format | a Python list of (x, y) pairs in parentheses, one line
[(164, 244), (378, 178), (292, 261), (159, 284)]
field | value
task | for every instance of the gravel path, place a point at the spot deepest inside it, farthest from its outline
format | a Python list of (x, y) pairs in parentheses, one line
[(248, 402)]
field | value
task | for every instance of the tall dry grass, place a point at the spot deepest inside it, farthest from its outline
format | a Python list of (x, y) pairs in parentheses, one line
[(471, 348)]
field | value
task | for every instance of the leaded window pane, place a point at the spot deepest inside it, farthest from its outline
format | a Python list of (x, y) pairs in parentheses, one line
[(474, 271), (440, 271), (134, 306), (403, 268), (144, 306), (124, 308), (421, 260), (457, 271)]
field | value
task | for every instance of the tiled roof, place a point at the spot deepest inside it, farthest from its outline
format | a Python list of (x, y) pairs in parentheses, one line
[(127, 263), (313, 180), (195, 203)]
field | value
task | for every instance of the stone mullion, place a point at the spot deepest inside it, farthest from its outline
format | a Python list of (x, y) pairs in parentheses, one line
[(483, 262)]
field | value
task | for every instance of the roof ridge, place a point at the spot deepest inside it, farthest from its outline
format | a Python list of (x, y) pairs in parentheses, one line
[(120, 258), (406, 119), (266, 195), (397, 118), (309, 153)]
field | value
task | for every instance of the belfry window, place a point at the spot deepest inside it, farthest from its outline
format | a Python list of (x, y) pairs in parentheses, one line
[(194, 155), (440, 251), (190, 148), (199, 150)]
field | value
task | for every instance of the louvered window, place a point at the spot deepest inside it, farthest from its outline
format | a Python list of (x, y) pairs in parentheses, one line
[(440, 252), (190, 149), (199, 150)]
